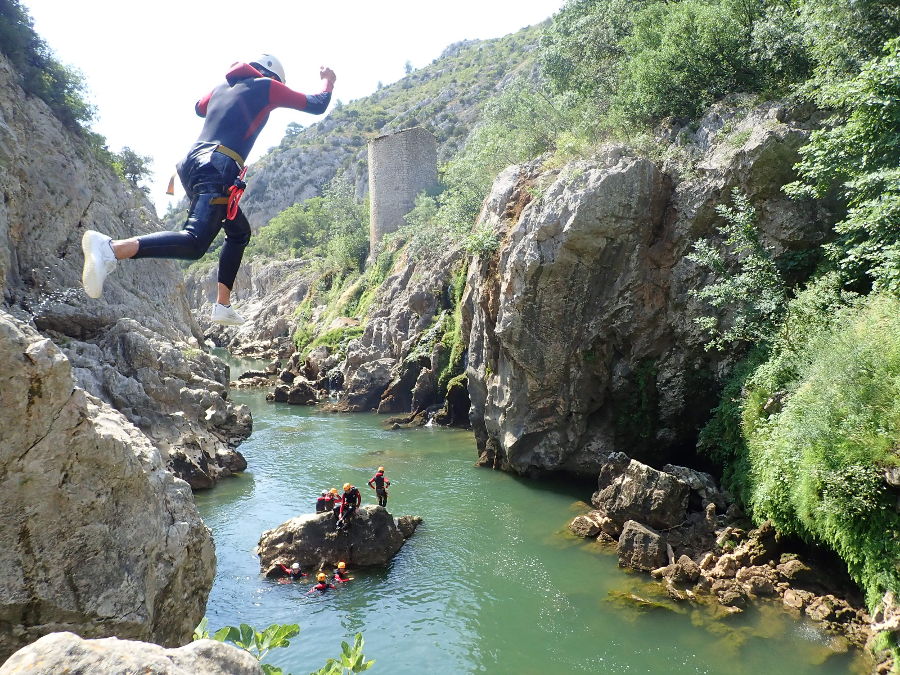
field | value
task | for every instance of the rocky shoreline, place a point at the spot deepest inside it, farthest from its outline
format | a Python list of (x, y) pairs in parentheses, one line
[(676, 525)]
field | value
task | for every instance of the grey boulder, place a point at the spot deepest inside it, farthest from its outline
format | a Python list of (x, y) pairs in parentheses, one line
[(373, 539), (67, 653)]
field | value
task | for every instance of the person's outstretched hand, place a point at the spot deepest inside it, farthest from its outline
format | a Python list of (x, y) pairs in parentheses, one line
[(327, 74)]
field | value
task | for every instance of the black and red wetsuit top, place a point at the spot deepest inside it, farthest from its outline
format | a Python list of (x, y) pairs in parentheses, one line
[(378, 481), (322, 586), (291, 572), (238, 109), (341, 576), (322, 504)]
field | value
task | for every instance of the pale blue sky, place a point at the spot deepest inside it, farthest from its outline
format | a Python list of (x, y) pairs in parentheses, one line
[(147, 63)]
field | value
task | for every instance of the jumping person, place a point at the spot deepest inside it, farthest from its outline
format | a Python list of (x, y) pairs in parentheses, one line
[(321, 584), (350, 501), (380, 483), (340, 574), (235, 111)]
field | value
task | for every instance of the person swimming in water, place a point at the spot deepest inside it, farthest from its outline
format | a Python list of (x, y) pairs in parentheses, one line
[(340, 573), (321, 585)]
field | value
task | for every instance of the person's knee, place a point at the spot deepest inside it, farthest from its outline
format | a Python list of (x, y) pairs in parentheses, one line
[(238, 232)]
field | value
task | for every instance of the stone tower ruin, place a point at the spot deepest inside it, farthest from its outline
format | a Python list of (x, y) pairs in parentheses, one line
[(401, 165)]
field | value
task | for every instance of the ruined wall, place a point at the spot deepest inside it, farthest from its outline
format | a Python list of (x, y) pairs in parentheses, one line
[(401, 165)]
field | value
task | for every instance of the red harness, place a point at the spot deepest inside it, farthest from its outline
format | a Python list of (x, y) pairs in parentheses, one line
[(235, 192)]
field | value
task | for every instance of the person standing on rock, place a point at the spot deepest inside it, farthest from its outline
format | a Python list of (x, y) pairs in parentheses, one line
[(350, 501), (321, 585), (235, 112), (379, 482)]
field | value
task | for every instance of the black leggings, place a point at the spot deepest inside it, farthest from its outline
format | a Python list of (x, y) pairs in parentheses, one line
[(204, 222)]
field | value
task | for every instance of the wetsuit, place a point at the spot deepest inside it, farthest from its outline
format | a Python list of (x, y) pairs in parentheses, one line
[(321, 586), (235, 111), (350, 502), (291, 572), (321, 504), (341, 576), (380, 483)]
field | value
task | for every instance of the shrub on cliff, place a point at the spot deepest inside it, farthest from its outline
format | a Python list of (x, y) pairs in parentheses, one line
[(858, 154), (62, 88), (820, 423)]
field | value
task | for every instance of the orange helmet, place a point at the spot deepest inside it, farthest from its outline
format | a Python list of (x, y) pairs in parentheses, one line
[(334, 491), (321, 576), (346, 486), (342, 565), (381, 468)]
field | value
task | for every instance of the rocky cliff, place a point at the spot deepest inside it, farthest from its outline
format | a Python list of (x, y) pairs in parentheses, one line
[(150, 367), (96, 537), (581, 331)]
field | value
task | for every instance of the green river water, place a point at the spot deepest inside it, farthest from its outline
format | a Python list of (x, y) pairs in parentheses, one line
[(491, 582)]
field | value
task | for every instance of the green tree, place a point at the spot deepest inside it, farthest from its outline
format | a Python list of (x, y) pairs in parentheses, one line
[(133, 167), (858, 154), (754, 296)]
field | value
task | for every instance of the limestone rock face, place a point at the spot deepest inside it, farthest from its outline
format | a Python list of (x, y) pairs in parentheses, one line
[(52, 188), (389, 366), (96, 537), (373, 538), (67, 653), (266, 294), (580, 327)]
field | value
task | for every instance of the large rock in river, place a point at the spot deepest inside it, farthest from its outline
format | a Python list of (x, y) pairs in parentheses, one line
[(67, 653), (374, 537), (96, 537)]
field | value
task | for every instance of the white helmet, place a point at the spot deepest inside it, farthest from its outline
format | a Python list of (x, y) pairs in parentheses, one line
[(270, 63), (295, 566)]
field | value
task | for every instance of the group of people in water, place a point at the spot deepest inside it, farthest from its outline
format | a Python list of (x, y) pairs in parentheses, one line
[(345, 504), (322, 585)]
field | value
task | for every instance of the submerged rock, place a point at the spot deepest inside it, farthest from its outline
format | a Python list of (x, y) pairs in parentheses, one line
[(373, 539), (95, 535), (67, 653)]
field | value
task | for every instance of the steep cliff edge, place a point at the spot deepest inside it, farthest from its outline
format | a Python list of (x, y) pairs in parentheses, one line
[(96, 537), (149, 367), (580, 327)]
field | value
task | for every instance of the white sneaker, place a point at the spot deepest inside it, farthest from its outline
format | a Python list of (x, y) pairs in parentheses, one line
[(99, 260), (226, 316)]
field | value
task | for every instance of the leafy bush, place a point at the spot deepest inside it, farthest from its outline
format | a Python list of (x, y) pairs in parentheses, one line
[(859, 155), (259, 644), (821, 419), (755, 295)]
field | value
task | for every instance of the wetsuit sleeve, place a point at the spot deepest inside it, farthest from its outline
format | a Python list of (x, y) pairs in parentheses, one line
[(281, 96), (202, 104)]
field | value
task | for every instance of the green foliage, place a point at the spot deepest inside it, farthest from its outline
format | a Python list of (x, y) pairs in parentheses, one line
[(258, 643), (755, 294), (683, 56), (335, 339), (132, 166), (276, 636), (352, 660), (334, 227), (820, 418), (859, 155), (62, 88)]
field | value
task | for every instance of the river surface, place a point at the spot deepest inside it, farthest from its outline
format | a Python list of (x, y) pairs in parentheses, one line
[(491, 582)]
